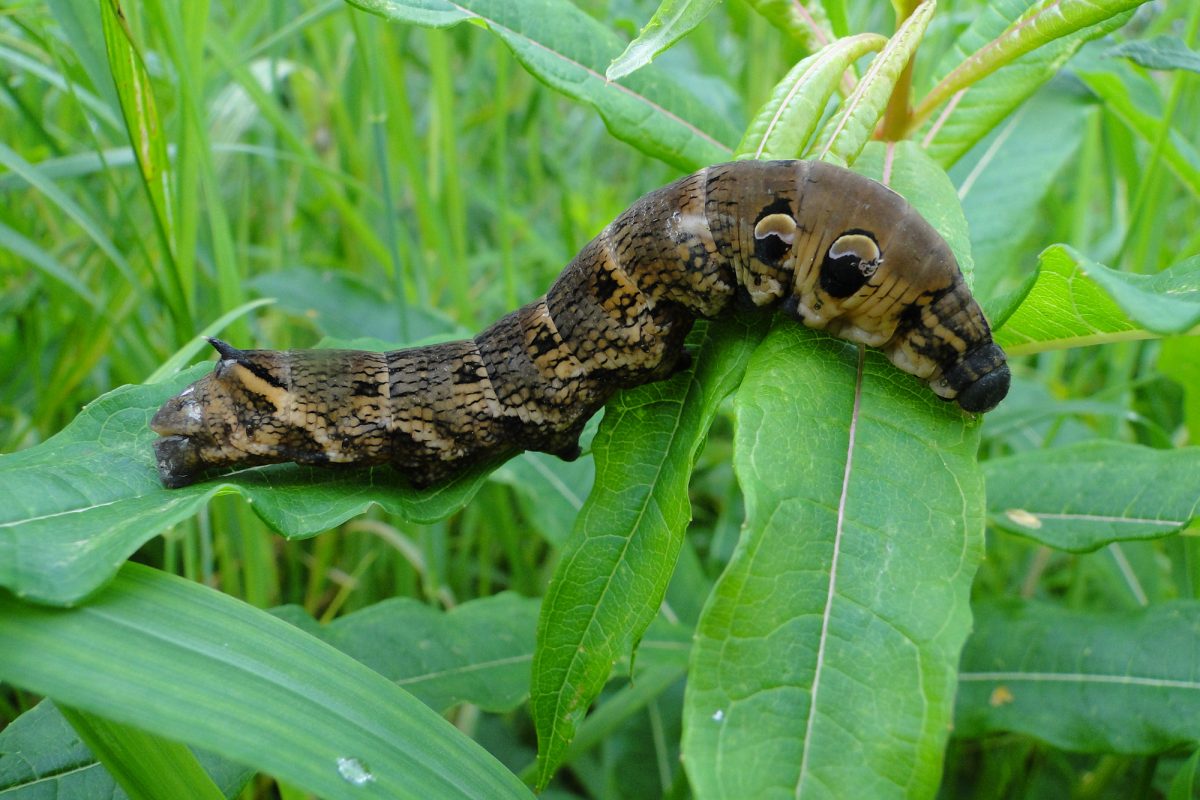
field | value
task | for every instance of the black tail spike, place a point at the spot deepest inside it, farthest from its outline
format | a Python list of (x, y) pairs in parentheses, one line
[(228, 351)]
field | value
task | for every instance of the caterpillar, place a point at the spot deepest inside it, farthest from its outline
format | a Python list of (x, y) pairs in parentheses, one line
[(833, 249)]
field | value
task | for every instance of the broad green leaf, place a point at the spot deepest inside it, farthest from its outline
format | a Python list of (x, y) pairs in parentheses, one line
[(673, 20), (802, 610), (846, 134), (977, 109), (185, 662), (1043, 22), (805, 20), (146, 766), (477, 653), (1086, 496), (1134, 100), (1084, 681), (149, 145), (569, 51), (1161, 52), (1073, 302), (614, 570), (786, 121), (73, 508), (1003, 187), (40, 752), (826, 657)]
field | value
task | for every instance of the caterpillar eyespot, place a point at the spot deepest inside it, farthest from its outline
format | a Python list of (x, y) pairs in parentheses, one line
[(831, 248)]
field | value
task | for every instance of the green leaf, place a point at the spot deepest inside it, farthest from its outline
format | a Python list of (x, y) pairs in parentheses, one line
[(1134, 100), (1085, 496), (805, 20), (1183, 787), (1074, 301), (343, 305), (477, 653), (146, 766), (850, 582), (846, 134), (673, 20), (1084, 681), (73, 508), (1042, 23), (977, 109), (785, 122), (1161, 52), (1002, 190), (149, 145), (825, 660), (188, 663), (569, 51), (614, 570), (40, 752)]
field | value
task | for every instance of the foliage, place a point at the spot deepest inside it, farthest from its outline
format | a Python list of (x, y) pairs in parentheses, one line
[(399, 174)]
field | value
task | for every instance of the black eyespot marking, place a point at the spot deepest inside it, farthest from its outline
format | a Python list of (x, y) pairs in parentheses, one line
[(773, 236), (851, 261)]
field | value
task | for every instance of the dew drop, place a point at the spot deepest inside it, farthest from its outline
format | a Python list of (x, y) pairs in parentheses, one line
[(354, 771)]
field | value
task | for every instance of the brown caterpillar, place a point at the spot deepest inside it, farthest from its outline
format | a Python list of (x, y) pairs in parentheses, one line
[(838, 251)]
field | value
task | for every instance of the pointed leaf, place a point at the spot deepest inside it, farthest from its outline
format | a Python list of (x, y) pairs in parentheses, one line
[(975, 111), (149, 145), (1073, 301), (190, 664), (846, 134), (569, 51), (825, 657), (1084, 681), (146, 766), (40, 752), (673, 20), (1086, 496), (805, 20), (784, 124), (1161, 52), (614, 570), (1042, 23)]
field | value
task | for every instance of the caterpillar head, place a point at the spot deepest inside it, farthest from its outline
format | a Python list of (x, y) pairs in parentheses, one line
[(869, 268), (230, 417)]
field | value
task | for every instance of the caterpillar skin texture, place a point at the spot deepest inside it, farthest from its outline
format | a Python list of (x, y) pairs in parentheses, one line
[(837, 251)]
